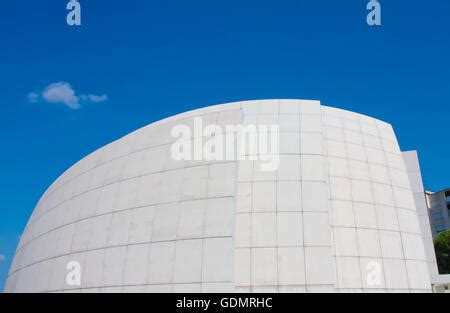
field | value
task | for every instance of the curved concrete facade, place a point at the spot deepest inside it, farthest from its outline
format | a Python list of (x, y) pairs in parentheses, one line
[(337, 216)]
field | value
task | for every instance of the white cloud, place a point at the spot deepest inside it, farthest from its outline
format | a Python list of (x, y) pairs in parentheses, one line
[(2, 258), (63, 93)]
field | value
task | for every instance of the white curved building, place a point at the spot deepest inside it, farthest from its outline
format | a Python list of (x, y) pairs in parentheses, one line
[(338, 215)]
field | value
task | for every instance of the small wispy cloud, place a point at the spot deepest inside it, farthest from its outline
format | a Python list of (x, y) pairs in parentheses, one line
[(63, 93), (33, 97), (95, 98), (2, 258)]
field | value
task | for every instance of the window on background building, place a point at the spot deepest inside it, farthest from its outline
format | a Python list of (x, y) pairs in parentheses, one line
[(447, 198), (440, 229)]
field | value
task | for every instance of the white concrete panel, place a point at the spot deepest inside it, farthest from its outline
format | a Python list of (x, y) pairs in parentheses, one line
[(243, 230), (244, 197), (141, 224), (365, 215), (413, 250), (188, 261), (100, 230), (289, 143), (289, 229), (289, 196), (354, 137), (161, 262), (395, 273), (310, 123), (268, 107), (351, 124), (289, 123), (313, 167), (217, 262), (288, 106), (264, 197), (89, 204), (345, 242), (82, 234), (336, 149), (221, 180), (340, 189), (291, 266), (376, 156), (120, 227), (245, 173), (380, 174), (338, 167), (382, 194), (92, 273), (242, 272), (219, 217), (310, 107), (316, 229), (404, 198), (264, 229), (191, 221), (314, 197), (330, 120), (391, 244), (264, 267), (194, 183), (259, 174), (136, 264), (408, 221), (361, 191), (165, 222), (311, 143), (289, 168), (149, 190), (342, 214), (368, 243), (387, 218), (349, 273), (113, 266), (319, 266), (418, 276), (400, 179), (127, 192), (107, 199), (356, 152)]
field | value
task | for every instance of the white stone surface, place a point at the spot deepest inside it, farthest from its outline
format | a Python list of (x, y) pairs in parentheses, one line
[(137, 220), (418, 226)]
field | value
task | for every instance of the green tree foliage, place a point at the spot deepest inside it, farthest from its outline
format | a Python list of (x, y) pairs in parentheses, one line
[(442, 247)]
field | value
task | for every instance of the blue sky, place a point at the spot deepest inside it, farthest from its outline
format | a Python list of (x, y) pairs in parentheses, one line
[(145, 60)]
